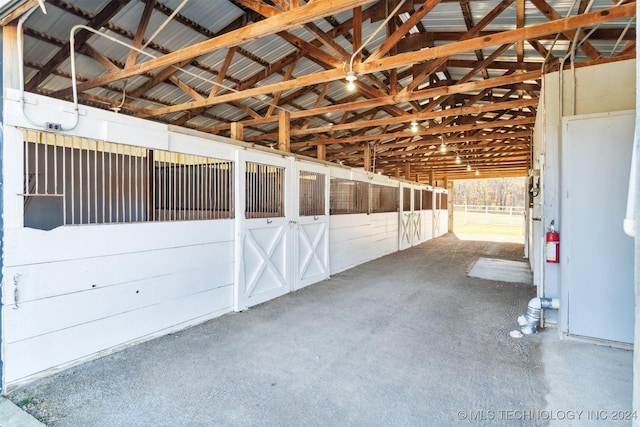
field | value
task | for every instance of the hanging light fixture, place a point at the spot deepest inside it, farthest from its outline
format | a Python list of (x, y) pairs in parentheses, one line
[(468, 167), (477, 172), (458, 159), (351, 81), (351, 76), (443, 146), (414, 126)]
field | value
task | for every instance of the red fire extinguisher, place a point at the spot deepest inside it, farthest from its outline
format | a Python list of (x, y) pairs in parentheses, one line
[(552, 244)]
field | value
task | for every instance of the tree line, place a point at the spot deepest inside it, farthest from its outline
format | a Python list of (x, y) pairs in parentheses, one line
[(490, 192)]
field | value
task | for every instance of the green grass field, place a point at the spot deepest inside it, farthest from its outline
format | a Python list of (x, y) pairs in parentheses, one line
[(481, 223)]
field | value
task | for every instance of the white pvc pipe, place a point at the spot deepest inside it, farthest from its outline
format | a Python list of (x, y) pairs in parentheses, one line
[(387, 19), (164, 24), (20, 43), (130, 46), (629, 224)]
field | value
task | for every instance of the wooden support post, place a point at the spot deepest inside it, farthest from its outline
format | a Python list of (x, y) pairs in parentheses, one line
[(322, 152), (284, 131), (367, 157), (397, 172), (237, 131), (449, 185), (10, 75), (431, 177), (407, 171)]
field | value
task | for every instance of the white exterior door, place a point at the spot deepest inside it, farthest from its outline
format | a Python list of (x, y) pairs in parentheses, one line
[(596, 256), (312, 224), (406, 217), (264, 250)]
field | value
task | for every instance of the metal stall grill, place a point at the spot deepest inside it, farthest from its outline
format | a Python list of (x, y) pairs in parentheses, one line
[(190, 187), (312, 193), (427, 199), (264, 197), (348, 196), (383, 198), (71, 181), (406, 199)]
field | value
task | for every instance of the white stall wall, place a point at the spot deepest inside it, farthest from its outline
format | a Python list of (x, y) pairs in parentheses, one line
[(77, 292), (358, 238), (81, 291), (597, 89)]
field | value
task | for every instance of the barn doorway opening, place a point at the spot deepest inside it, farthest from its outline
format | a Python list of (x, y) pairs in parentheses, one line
[(491, 209)]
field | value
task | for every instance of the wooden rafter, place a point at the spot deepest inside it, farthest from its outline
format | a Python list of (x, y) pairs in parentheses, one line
[(142, 28), (586, 47), (414, 73)]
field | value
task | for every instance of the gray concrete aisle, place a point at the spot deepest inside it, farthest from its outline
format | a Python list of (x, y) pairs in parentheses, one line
[(405, 340)]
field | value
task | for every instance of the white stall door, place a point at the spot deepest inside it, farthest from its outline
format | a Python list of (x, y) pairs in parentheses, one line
[(417, 228), (406, 217), (266, 230), (312, 225)]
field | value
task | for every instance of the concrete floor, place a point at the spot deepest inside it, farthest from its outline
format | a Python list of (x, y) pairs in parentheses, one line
[(405, 340)]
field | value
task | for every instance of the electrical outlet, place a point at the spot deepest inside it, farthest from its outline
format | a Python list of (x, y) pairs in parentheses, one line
[(53, 126)]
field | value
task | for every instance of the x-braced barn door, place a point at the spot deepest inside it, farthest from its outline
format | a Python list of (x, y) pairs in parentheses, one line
[(312, 224), (417, 220), (264, 228), (436, 214), (406, 217)]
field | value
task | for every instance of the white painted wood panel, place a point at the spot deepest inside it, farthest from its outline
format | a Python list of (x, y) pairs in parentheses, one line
[(444, 222), (40, 355), (88, 241), (427, 224), (48, 315), (355, 239), (384, 234), (349, 240), (50, 279)]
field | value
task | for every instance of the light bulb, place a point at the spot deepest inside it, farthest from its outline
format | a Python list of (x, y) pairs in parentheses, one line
[(414, 126), (443, 147), (477, 172), (468, 167), (351, 78), (458, 160)]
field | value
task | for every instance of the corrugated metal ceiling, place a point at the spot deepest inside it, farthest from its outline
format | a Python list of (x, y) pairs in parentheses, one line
[(46, 35)]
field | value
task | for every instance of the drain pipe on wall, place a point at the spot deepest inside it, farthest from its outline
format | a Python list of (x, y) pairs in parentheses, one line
[(529, 322)]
